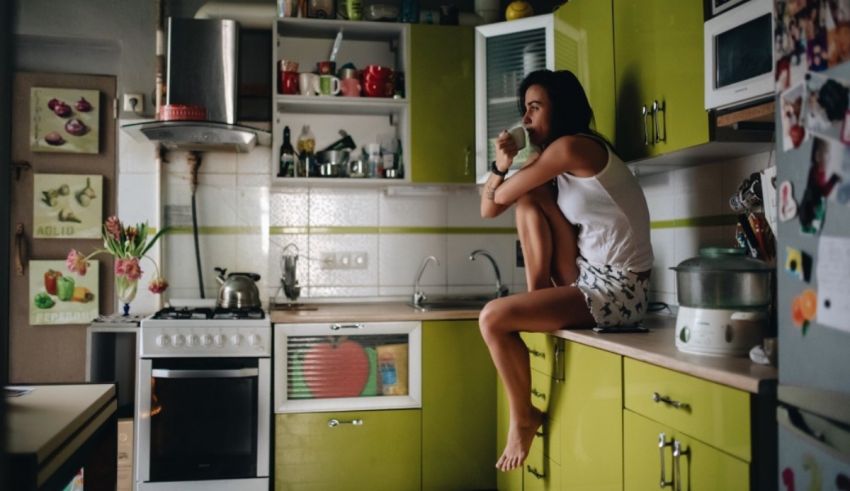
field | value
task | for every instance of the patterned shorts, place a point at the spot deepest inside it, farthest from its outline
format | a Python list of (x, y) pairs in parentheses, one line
[(615, 297)]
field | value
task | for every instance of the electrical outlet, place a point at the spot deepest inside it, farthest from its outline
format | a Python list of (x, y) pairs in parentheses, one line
[(359, 260), (328, 260), (343, 260), (134, 103)]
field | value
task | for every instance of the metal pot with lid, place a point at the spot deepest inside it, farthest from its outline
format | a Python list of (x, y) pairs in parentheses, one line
[(238, 290), (723, 278)]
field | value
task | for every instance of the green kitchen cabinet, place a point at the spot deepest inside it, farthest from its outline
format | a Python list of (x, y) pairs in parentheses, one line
[(442, 104), (352, 450), (658, 59), (658, 455), (584, 44), (589, 409), (458, 407)]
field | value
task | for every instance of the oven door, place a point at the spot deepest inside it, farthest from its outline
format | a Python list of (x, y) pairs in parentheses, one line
[(203, 418)]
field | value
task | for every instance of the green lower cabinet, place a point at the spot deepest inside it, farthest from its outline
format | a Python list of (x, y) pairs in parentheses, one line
[(382, 452), (458, 408), (588, 409), (505, 481), (698, 467)]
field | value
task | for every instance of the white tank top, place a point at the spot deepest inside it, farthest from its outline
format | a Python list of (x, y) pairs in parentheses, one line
[(611, 211)]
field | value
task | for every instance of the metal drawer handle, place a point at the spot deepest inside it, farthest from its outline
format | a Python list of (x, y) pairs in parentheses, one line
[(534, 472), (536, 354), (678, 451), (235, 373), (670, 402), (658, 107), (537, 393), (663, 483), (560, 369), (337, 327), (644, 112), (333, 423)]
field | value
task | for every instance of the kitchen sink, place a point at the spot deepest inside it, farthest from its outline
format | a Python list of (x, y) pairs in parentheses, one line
[(452, 303)]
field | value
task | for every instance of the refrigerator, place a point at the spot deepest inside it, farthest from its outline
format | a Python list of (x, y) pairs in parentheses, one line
[(813, 243)]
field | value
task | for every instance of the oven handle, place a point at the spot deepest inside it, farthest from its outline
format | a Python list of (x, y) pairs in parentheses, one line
[(238, 373)]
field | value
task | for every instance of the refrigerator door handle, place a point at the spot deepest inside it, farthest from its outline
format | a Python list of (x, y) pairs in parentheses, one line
[(793, 421)]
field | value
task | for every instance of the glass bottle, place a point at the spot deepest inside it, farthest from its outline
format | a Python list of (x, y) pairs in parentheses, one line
[(287, 156), (306, 148)]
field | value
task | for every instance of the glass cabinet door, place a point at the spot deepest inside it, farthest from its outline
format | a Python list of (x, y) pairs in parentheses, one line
[(505, 53), (342, 366)]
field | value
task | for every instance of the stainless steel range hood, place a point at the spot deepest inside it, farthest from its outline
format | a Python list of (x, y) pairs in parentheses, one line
[(202, 70)]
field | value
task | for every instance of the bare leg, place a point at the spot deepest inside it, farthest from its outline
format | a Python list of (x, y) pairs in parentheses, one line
[(549, 248), (542, 310), (548, 240)]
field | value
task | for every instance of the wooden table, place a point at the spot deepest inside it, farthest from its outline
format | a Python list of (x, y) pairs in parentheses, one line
[(55, 430)]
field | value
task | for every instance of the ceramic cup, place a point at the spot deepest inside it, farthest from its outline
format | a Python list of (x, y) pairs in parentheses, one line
[(307, 83), (325, 67), (288, 83), (518, 135), (328, 85), (350, 87)]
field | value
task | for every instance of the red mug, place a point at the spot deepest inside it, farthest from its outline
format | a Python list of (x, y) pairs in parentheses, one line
[(288, 83), (350, 87)]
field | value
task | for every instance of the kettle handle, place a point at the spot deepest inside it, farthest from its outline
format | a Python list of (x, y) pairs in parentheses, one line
[(253, 276)]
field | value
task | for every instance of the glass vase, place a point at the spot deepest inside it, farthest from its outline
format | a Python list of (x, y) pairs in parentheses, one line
[(126, 290)]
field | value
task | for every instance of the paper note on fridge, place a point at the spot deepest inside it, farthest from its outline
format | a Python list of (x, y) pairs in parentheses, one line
[(833, 275)]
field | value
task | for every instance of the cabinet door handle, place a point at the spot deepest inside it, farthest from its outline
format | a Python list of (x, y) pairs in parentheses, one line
[(671, 402), (536, 354), (333, 422), (534, 472), (337, 327), (560, 366), (20, 249), (644, 112), (678, 451), (467, 169), (538, 394), (658, 107), (663, 483)]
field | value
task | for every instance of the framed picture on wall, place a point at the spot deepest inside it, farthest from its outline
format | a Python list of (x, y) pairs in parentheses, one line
[(64, 120), (67, 206), (58, 296)]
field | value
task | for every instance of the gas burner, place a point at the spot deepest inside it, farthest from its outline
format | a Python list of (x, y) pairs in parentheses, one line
[(234, 313), (202, 313)]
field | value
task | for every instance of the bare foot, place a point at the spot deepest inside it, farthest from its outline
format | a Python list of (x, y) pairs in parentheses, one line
[(519, 441)]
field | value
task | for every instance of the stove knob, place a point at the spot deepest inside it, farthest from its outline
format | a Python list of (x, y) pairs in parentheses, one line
[(178, 340), (163, 340), (236, 339), (219, 340), (254, 340), (206, 340), (191, 340)]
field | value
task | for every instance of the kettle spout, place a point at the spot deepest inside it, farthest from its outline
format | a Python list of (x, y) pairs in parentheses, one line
[(221, 275)]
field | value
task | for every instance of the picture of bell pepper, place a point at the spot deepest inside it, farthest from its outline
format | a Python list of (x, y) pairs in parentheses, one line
[(50, 277), (65, 288), (43, 301)]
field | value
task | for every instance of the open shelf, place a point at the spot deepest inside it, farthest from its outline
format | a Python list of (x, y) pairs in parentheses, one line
[(379, 106), (327, 28)]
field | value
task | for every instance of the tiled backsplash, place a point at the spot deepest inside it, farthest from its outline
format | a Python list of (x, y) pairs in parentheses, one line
[(245, 224)]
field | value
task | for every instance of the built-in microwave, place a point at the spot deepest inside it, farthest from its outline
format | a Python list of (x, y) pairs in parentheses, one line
[(739, 55)]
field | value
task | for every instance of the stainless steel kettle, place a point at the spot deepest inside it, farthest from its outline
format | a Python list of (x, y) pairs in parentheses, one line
[(238, 290)]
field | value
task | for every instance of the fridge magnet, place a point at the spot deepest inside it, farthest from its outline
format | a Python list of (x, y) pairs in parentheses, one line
[(790, 43), (804, 309), (67, 206), (833, 276), (845, 128), (793, 131), (64, 120), (788, 479), (827, 100), (822, 177), (59, 297), (836, 15), (798, 263), (787, 204)]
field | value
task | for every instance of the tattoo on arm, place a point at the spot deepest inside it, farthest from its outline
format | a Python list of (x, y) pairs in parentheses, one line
[(491, 192)]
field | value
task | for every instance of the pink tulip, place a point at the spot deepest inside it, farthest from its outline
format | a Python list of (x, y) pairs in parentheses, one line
[(113, 227), (76, 262), (158, 285), (132, 269)]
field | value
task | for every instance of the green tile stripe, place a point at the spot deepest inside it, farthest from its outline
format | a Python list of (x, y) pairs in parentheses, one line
[(691, 222)]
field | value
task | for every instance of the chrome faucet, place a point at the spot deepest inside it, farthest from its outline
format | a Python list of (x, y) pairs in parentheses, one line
[(501, 290), (418, 294)]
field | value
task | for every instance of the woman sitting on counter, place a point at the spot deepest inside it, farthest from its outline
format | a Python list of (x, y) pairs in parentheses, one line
[(583, 224)]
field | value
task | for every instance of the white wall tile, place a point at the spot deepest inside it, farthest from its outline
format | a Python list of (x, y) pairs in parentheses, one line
[(464, 210), (216, 251), (341, 291), (339, 207), (136, 198), (218, 163), (663, 247), (258, 161), (135, 156), (345, 243), (290, 207), (412, 211), (252, 203), (401, 255)]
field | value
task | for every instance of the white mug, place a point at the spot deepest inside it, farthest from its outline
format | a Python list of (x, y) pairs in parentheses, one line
[(518, 135), (308, 83)]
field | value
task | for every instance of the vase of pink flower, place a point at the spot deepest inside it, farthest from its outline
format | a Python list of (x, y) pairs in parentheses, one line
[(129, 245)]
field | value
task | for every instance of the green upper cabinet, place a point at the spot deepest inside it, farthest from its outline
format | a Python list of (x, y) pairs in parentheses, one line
[(658, 58), (442, 104), (584, 44), (458, 408)]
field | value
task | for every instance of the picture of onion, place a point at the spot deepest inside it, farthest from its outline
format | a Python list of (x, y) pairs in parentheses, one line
[(52, 103), (62, 110), (76, 127), (54, 138), (83, 105)]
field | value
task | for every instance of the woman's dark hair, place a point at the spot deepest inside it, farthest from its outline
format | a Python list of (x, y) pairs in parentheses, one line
[(571, 111)]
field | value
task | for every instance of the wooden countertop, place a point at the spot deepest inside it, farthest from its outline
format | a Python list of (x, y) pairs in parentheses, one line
[(656, 347), (53, 421)]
